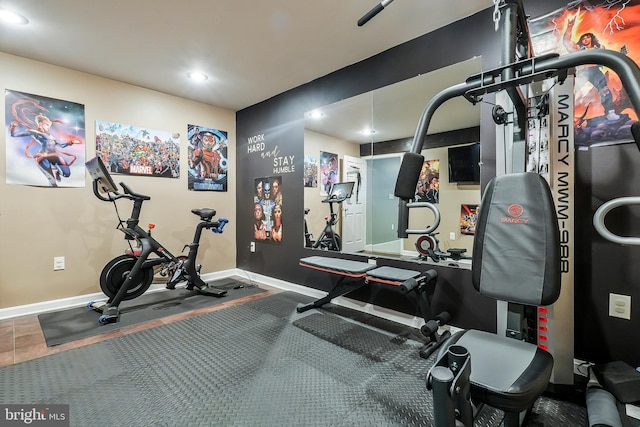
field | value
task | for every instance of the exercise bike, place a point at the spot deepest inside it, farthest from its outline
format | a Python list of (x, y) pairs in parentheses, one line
[(308, 242), (330, 240), (128, 276)]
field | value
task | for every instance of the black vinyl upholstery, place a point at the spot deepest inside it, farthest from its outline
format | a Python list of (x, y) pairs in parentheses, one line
[(516, 258)]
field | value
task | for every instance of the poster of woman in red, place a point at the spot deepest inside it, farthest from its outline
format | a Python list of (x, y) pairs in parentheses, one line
[(603, 114)]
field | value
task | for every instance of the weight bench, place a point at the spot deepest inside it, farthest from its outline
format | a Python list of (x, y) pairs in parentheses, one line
[(350, 276)]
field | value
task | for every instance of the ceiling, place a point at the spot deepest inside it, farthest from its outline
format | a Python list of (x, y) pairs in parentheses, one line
[(251, 50), (393, 111)]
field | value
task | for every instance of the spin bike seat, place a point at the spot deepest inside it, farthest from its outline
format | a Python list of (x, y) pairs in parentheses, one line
[(205, 213)]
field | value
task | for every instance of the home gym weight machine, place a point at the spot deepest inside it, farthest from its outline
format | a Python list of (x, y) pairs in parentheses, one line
[(128, 276), (522, 70)]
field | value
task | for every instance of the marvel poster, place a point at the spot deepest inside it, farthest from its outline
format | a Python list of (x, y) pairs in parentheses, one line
[(132, 150), (208, 167), (45, 141)]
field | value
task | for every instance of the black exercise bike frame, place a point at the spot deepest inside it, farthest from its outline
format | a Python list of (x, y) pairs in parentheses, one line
[(329, 239), (181, 268)]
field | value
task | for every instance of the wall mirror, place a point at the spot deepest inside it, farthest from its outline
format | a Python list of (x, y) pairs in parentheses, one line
[(362, 139)]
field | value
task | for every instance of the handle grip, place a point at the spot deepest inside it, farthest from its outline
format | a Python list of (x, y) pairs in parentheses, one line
[(436, 217), (373, 12), (601, 213)]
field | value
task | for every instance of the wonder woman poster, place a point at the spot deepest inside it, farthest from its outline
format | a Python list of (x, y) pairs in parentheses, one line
[(603, 114), (45, 141)]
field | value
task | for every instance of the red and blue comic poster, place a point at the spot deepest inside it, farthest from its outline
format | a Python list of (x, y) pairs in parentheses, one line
[(603, 113), (45, 141)]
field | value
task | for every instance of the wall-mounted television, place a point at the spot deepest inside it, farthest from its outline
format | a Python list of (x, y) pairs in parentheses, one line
[(464, 164)]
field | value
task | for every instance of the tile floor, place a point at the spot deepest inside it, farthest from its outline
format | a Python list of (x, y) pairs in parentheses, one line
[(21, 338)]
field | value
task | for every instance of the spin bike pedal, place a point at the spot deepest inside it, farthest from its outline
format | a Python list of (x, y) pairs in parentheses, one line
[(109, 314), (96, 305), (106, 319)]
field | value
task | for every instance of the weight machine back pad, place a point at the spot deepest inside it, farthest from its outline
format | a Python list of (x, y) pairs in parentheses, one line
[(408, 175), (516, 250)]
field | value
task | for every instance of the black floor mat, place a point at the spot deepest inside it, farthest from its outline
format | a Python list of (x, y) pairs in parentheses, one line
[(69, 325), (254, 364)]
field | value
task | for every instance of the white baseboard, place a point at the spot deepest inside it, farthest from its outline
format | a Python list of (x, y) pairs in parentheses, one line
[(385, 313), (83, 300)]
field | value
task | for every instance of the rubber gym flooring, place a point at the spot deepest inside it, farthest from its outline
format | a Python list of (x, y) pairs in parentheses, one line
[(254, 364)]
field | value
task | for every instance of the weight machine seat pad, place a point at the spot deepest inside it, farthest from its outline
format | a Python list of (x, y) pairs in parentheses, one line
[(516, 249), (506, 373), (343, 267), (391, 275)]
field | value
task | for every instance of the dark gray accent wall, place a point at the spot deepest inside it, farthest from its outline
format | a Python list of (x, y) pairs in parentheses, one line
[(278, 122), (601, 267)]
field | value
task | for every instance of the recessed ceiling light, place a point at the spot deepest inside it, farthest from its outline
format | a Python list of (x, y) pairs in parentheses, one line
[(197, 76), (316, 114), (367, 131), (12, 17)]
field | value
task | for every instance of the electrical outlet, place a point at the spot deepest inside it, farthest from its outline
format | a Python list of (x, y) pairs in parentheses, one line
[(452, 235), (620, 306), (58, 263), (252, 247)]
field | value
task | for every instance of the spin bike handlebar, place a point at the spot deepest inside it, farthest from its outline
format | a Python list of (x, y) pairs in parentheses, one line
[(138, 198), (129, 193), (133, 195)]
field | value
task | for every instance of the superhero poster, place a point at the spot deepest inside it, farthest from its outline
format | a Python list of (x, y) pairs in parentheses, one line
[(45, 141), (310, 174), (268, 209), (131, 150), (208, 167), (603, 113), (468, 219), (329, 171), (428, 186)]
